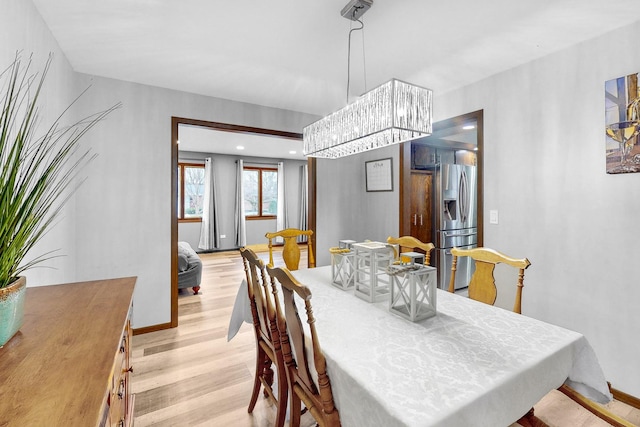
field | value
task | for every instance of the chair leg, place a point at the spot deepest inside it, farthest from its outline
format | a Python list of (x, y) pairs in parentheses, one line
[(281, 413), (294, 410), (260, 361), (267, 374)]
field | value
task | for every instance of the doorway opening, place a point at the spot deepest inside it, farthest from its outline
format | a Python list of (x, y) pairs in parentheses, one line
[(176, 123), (429, 205)]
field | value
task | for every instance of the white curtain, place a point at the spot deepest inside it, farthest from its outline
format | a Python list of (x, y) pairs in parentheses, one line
[(303, 202), (241, 238), (209, 230), (281, 220)]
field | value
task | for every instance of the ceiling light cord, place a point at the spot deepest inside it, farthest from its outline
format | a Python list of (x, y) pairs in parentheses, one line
[(364, 61), (349, 56)]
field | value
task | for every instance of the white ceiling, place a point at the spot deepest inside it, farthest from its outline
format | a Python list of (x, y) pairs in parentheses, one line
[(206, 140), (292, 54)]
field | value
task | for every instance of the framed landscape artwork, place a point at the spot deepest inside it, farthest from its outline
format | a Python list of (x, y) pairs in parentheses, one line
[(622, 124)]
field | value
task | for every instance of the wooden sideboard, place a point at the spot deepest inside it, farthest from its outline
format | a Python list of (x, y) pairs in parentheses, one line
[(70, 362)]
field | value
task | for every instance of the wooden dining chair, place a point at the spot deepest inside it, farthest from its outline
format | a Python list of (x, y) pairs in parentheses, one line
[(411, 243), (482, 286), (317, 396), (268, 349), (291, 251)]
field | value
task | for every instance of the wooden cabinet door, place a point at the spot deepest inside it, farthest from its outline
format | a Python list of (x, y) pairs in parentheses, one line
[(420, 211)]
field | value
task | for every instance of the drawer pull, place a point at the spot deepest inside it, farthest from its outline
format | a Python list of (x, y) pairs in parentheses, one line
[(130, 369)]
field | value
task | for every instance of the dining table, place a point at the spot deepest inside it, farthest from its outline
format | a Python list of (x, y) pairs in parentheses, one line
[(472, 364)]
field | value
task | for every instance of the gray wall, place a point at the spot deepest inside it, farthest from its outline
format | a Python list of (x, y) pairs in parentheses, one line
[(126, 210), (345, 210), (225, 170), (545, 174), (22, 29), (118, 223)]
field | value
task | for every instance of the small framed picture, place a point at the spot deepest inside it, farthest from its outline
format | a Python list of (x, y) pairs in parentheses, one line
[(379, 175)]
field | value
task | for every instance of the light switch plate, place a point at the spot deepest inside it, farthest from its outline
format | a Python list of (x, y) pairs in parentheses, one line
[(493, 217)]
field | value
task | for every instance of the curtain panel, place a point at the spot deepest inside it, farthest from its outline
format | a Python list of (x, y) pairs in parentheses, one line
[(209, 230)]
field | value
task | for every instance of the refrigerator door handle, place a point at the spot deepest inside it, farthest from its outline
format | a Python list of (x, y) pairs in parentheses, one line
[(447, 234), (463, 196), (467, 195)]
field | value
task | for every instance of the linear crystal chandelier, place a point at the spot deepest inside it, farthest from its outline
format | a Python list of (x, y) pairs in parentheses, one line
[(392, 113)]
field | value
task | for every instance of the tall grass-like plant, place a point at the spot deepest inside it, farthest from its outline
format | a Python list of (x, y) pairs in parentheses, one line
[(38, 172)]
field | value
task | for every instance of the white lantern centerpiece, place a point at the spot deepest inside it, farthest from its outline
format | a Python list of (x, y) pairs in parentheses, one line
[(342, 265), (413, 287), (371, 261)]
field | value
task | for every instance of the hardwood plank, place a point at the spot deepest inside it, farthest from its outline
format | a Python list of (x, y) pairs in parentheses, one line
[(191, 388), (598, 410)]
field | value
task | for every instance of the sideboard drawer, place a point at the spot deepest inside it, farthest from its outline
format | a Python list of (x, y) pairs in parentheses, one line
[(120, 397)]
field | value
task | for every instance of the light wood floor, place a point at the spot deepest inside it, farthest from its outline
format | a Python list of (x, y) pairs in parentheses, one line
[(191, 375)]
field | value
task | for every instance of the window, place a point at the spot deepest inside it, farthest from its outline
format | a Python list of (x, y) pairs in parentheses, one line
[(190, 191), (260, 187)]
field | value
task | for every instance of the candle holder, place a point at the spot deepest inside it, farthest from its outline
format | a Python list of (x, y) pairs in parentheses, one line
[(371, 261), (342, 265), (413, 291)]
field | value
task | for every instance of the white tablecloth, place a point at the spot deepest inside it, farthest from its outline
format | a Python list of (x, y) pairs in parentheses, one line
[(470, 365), (241, 311)]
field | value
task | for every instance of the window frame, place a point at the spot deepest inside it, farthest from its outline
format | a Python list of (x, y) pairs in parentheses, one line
[(260, 169), (181, 192)]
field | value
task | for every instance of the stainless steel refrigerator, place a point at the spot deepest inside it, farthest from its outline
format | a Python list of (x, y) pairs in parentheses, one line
[(456, 220)]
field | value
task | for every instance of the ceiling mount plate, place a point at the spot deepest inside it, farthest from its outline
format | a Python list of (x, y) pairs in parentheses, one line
[(355, 9)]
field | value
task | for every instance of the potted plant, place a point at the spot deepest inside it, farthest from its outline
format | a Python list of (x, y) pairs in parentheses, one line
[(38, 174)]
